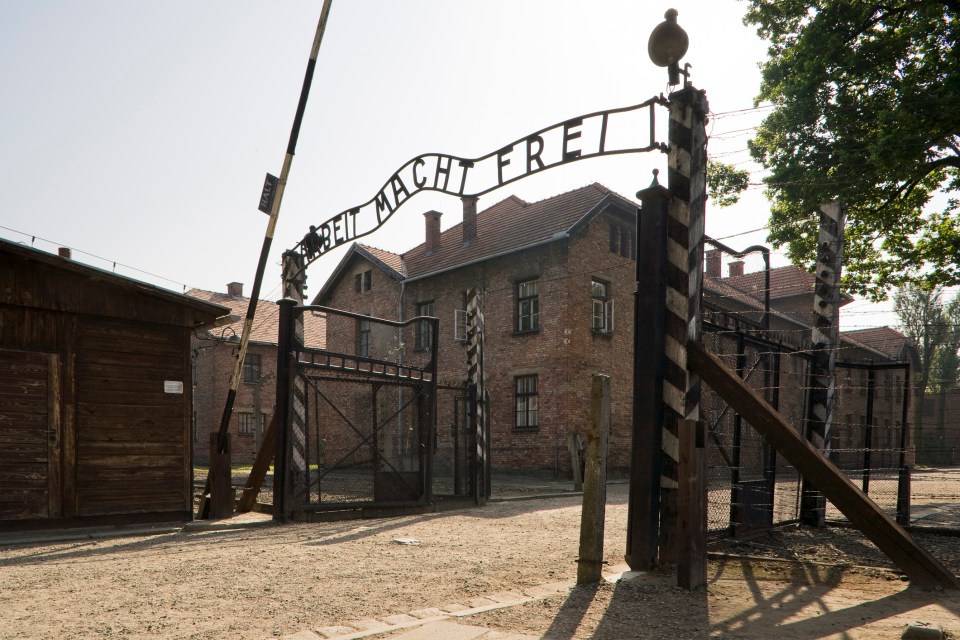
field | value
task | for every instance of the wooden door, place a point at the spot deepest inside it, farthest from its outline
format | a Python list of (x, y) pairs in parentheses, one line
[(29, 435)]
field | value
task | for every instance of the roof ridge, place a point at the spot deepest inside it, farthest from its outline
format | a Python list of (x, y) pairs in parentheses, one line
[(370, 246)]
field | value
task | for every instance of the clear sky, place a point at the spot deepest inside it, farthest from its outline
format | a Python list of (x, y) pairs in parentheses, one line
[(139, 133)]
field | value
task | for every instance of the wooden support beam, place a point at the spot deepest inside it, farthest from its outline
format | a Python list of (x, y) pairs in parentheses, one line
[(261, 464), (221, 488), (692, 505), (574, 448), (922, 568), (590, 560)]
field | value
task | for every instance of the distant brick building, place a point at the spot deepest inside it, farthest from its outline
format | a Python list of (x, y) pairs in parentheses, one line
[(214, 358), (558, 277)]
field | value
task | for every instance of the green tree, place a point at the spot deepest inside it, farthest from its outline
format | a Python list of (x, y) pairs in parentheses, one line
[(945, 370), (866, 99), (725, 182), (935, 328)]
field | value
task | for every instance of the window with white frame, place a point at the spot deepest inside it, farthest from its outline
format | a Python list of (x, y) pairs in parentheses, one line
[(528, 410), (528, 305), (602, 318), (460, 324)]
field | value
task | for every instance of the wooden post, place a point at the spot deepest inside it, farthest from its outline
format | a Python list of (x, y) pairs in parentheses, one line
[(590, 561), (221, 488), (686, 180), (573, 446), (692, 505), (261, 465)]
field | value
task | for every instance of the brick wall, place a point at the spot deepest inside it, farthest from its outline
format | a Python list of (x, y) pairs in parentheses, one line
[(213, 365), (564, 352)]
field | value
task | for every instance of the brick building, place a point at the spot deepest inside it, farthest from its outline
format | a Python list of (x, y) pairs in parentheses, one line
[(558, 281), (214, 358), (558, 277)]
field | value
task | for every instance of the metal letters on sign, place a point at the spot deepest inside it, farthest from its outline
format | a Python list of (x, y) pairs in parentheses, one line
[(616, 131), (268, 193)]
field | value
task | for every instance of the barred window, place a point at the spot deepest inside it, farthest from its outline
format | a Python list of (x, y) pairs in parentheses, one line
[(527, 405), (528, 306), (245, 423), (251, 367), (363, 337)]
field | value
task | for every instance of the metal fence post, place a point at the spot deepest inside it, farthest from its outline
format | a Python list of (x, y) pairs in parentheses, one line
[(285, 337), (824, 336), (649, 360), (868, 431)]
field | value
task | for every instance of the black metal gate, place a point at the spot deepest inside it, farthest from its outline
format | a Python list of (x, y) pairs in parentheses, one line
[(365, 422), (360, 414)]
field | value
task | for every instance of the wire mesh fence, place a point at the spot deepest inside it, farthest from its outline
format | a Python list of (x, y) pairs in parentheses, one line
[(751, 487)]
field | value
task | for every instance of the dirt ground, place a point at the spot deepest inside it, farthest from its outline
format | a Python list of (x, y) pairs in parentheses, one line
[(265, 582)]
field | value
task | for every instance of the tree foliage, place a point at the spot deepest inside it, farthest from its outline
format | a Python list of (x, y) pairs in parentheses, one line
[(921, 315), (725, 182), (866, 99)]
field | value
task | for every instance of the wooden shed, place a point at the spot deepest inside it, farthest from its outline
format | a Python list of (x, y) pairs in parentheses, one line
[(95, 394)]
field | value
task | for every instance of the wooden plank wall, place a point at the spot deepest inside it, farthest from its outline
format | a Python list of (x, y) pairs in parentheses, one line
[(133, 437), (25, 435)]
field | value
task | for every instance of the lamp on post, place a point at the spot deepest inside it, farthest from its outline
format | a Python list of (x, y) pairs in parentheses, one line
[(667, 45)]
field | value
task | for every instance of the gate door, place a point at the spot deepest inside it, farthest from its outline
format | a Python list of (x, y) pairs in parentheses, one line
[(362, 414), (29, 436)]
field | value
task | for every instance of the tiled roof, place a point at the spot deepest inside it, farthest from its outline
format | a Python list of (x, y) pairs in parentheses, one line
[(784, 281), (886, 340), (265, 320), (509, 225), (392, 260)]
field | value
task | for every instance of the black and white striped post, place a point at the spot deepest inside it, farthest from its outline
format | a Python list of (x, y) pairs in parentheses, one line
[(686, 181), (824, 338), (476, 390), (665, 392), (269, 204)]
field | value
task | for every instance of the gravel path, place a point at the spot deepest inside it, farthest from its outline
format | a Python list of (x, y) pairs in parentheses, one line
[(275, 581)]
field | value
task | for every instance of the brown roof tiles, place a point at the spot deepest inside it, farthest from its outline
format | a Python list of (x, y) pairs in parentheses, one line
[(265, 321), (507, 226)]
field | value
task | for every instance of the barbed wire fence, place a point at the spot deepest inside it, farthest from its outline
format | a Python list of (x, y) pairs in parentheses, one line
[(902, 448)]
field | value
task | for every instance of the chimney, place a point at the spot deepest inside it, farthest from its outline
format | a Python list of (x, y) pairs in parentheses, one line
[(469, 219), (64, 252), (714, 266), (736, 268), (432, 219), (235, 290)]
